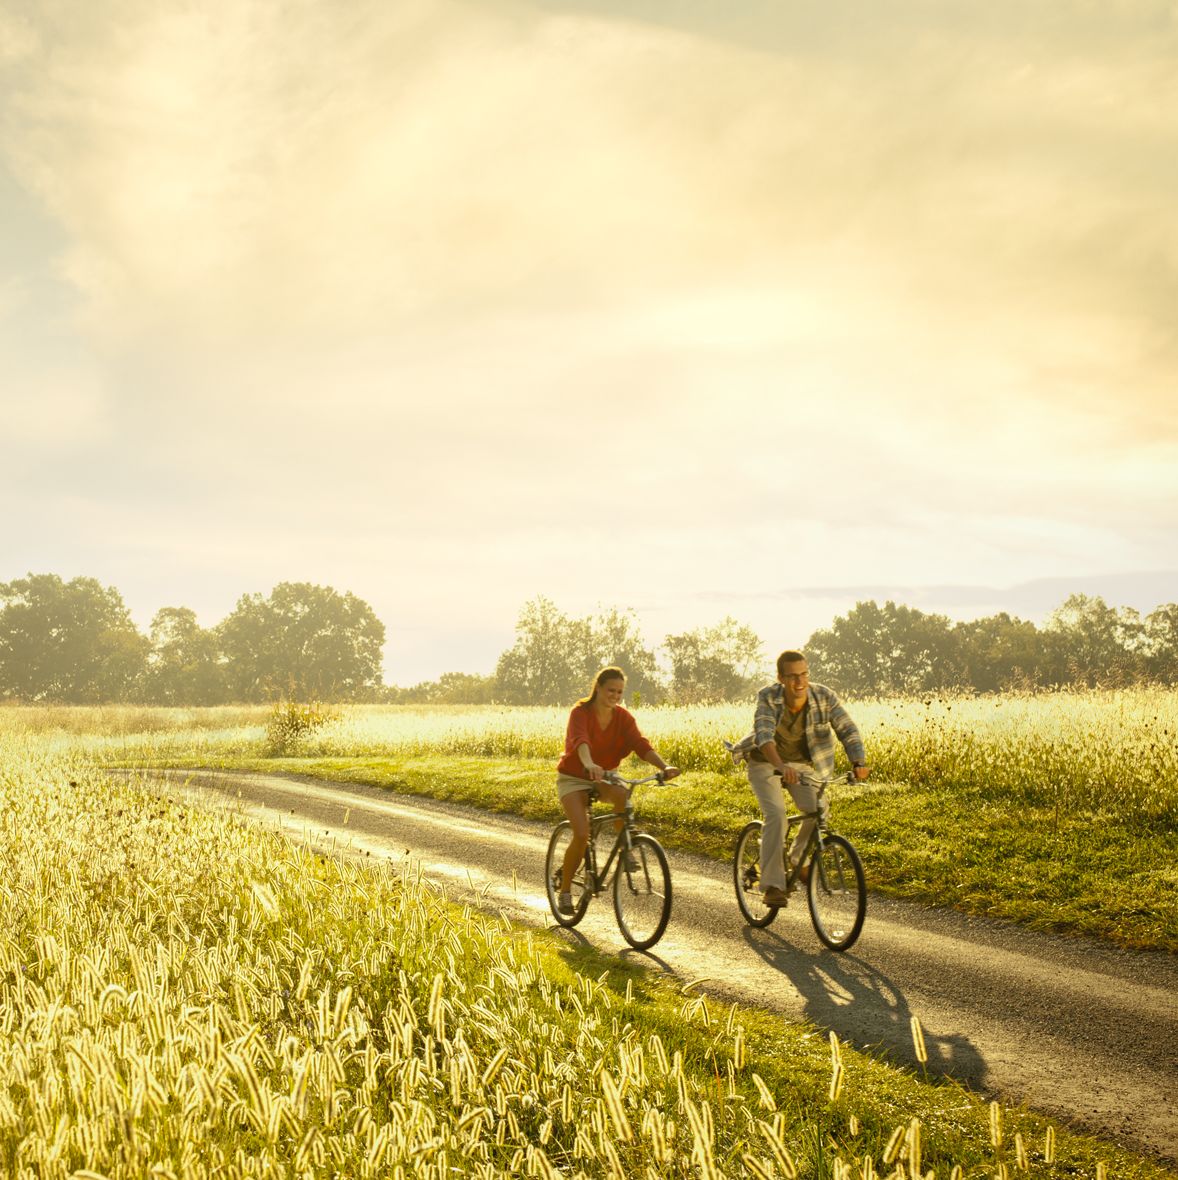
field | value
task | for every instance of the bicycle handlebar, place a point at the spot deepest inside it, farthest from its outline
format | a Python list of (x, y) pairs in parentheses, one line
[(612, 777), (848, 777)]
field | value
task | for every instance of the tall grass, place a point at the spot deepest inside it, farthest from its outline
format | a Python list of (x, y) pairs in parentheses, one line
[(1093, 750), (182, 995)]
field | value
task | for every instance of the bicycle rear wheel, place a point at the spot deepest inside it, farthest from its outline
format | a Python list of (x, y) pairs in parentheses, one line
[(642, 895), (746, 876), (562, 836), (837, 893)]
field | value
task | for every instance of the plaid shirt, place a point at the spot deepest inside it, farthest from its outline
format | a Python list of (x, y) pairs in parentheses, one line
[(825, 719)]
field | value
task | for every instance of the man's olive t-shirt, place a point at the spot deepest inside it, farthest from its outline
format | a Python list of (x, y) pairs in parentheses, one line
[(790, 737)]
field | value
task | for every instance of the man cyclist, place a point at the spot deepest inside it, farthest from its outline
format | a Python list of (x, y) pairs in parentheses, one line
[(793, 735)]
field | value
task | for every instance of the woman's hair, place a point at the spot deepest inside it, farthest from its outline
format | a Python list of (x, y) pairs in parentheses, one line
[(610, 673)]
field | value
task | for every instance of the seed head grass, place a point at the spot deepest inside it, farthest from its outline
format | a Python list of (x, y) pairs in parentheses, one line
[(182, 994)]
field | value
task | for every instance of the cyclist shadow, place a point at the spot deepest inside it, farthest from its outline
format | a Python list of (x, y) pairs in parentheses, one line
[(581, 948), (865, 1007)]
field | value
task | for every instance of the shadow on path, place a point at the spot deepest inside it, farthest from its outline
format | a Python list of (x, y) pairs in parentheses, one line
[(859, 1002)]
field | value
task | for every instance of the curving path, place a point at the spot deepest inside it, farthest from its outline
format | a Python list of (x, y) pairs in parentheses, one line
[(1080, 1031)]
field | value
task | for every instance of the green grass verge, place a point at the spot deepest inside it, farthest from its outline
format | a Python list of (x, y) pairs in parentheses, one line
[(1102, 874), (186, 993)]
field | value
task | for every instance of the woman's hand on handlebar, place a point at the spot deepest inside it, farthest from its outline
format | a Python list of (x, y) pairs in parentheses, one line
[(595, 772), (670, 772)]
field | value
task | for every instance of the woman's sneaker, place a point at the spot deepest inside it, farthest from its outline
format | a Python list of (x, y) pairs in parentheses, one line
[(564, 903)]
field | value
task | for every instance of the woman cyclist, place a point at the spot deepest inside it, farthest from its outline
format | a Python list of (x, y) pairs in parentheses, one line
[(600, 734)]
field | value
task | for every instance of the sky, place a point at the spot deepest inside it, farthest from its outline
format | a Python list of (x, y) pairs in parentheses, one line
[(693, 308)]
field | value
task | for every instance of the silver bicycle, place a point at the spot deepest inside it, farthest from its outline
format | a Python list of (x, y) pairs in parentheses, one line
[(642, 880), (829, 867)]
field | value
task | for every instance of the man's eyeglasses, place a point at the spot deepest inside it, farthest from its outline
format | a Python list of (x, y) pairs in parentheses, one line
[(799, 676)]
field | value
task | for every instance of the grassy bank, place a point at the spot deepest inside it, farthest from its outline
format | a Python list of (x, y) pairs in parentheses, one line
[(183, 993)]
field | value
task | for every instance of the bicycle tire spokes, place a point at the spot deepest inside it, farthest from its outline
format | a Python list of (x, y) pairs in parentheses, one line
[(837, 893), (579, 887), (746, 868), (642, 894)]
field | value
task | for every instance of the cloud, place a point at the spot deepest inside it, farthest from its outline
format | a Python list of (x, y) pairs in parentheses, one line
[(1142, 590), (277, 170), (438, 285)]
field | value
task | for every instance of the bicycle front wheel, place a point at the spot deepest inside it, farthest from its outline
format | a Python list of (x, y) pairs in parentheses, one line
[(746, 873), (562, 836), (837, 893), (642, 895)]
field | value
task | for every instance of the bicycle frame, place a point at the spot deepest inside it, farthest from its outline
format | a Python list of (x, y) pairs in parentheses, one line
[(594, 878), (637, 864), (814, 842), (829, 866)]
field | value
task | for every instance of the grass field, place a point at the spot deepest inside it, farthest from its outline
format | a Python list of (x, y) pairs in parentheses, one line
[(1058, 811), (184, 995)]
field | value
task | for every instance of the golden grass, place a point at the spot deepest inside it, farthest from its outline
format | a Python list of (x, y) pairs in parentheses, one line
[(1074, 749), (184, 995)]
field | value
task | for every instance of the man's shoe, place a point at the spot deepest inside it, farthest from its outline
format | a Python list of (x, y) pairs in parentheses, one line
[(564, 903), (775, 898)]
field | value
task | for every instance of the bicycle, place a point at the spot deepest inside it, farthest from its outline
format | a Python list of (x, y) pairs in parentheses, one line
[(642, 882), (835, 890)]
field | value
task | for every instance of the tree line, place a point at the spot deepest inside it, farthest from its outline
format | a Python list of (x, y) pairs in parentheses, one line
[(75, 643), (555, 657), (873, 650)]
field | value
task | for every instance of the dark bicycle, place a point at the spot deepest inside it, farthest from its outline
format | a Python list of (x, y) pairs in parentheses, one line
[(829, 867), (642, 880)]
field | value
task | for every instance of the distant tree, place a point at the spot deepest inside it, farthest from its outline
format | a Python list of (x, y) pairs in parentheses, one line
[(1099, 644), (304, 642), (1001, 652), (874, 650), (615, 640), (451, 688), (184, 666), (719, 663), (67, 642), (1160, 644), (555, 656), (547, 664)]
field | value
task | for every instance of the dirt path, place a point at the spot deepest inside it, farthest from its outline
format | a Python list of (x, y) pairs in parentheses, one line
[(1080, 1031)]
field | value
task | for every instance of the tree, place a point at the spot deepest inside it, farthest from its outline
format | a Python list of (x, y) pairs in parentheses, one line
[(616, 641), (184, 665), (875, 650), (1100, 644), (1160, 643), (555, 657), (304, 642), (67, 642), (451, 688), (999, 652), (714, 663), (549, 661)]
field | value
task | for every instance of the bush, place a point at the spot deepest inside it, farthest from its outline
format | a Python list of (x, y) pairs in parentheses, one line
[(290, 722)]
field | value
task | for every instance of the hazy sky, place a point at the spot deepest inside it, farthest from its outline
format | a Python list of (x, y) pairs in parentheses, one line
[(699, 308)]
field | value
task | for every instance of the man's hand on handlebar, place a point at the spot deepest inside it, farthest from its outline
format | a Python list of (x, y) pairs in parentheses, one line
[(788, 774)]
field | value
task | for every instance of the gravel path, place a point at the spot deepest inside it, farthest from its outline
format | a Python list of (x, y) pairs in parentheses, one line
[(1080, 1031)]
